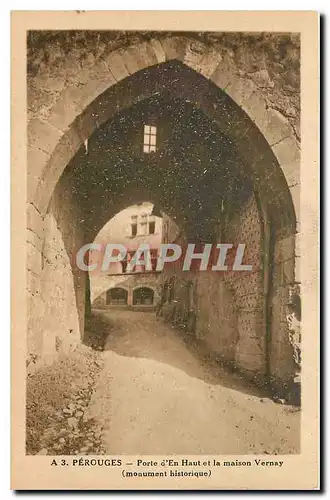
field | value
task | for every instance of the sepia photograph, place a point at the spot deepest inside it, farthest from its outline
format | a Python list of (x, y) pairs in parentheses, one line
[(163, 254)]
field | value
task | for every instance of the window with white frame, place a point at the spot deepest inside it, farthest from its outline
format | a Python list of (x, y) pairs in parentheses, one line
[(149, 139)]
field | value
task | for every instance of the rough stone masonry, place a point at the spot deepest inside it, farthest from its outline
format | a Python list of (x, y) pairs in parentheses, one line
[(245, 89)]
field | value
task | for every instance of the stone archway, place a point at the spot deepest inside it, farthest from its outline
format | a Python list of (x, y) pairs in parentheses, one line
[(116, 296), (188, 70), (143, 296), (79, 106)]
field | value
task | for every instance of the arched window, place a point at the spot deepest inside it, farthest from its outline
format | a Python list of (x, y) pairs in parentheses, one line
[(143, 296), (117, 296)]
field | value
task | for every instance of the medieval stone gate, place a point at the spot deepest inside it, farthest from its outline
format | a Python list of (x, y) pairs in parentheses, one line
[(80, 85)]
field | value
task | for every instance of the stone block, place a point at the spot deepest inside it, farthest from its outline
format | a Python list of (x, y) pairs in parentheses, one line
[(262, 79), (240, 90), (99, 80), (284, 249), (295, 194), (34, 239), (158, 50), (35, 221), (138, 57), (36, 161), (292, 173), (287, 151), (250, 355), (66, 109), (43, 135), (224, 73), (66, 148), (273, 125), (174, 47), (116, 65), (34, 258), (201, 58)]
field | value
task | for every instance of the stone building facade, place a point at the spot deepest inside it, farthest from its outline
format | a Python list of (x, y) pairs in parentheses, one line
[(227, 111), (117, 287)]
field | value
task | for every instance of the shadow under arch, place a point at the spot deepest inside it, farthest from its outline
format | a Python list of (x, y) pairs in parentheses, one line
[(175, 81), (179, 81)]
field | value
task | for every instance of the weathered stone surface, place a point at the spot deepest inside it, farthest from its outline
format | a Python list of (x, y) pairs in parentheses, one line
[(158, 50), (285, 249), (274, 126), (295, 194), (36, 161), (61, 90), (297, 269), (66, 108), (287, 151), (35, 220), (43, 135), (292, 173), (33, 257), (97, 80), (240, 90), (201, 60), (225, 72), (138, 57), (250, 355), (115, 63), (34, 239), (262, 79), (174, 47), (64, 151)]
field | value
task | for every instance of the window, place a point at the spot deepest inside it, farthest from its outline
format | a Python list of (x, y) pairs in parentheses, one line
[(149, 139), (134, 229), (152, 227)]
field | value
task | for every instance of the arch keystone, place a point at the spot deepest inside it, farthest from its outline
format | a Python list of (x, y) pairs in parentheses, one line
[(174, 47), (202, 59), (158, 50)]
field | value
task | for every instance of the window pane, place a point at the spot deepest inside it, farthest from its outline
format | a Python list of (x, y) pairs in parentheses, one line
[(146, 139), (146, 149), (152, 149), (153, 130), (147, 129), (153, 140)]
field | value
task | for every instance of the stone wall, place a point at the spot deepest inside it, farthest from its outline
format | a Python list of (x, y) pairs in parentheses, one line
[(249, 319), (248, 84), (56, 313)]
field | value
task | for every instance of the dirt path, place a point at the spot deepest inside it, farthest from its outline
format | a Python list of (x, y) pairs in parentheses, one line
[(157, 395)]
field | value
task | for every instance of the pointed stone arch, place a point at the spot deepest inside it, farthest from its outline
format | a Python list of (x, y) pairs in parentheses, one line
[(56, 131), (187, 69)]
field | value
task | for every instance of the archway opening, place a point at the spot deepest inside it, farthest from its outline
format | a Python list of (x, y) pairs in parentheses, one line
[(116, 297), (169, 136), (143, 296)]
